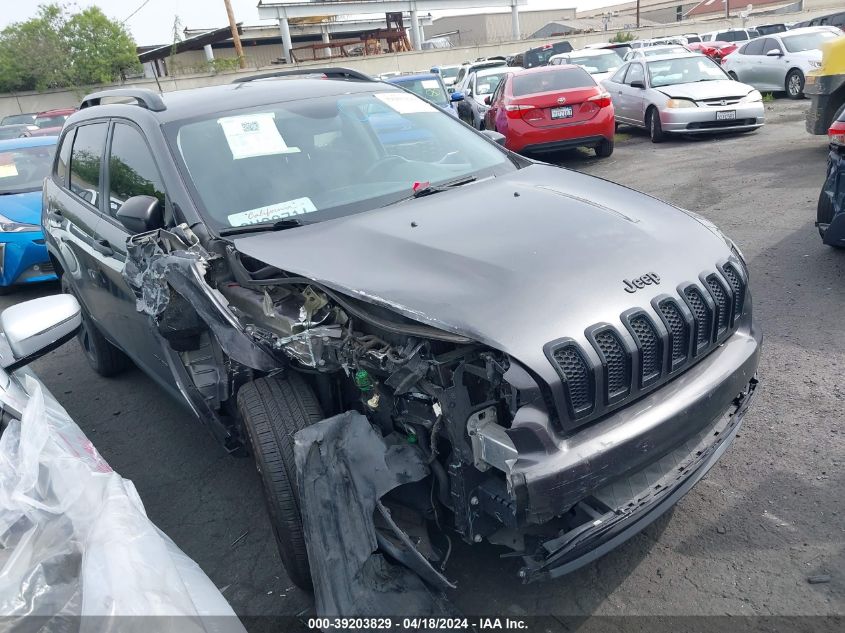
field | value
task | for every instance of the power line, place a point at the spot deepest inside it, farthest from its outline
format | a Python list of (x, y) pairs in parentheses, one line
[(131, 15)]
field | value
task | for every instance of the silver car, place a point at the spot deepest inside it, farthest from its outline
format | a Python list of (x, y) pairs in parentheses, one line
[(656, 50), (682, 94), (781, 61)]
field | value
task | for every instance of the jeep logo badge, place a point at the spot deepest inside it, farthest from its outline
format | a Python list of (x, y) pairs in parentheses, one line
[(632, 285)]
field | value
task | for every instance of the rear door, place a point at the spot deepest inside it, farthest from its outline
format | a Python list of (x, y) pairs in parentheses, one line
[(772, 67), (747, 62), (71, 212), (130, 171)]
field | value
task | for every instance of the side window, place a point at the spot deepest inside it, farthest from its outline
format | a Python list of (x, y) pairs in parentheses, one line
[(770, 44), (85, 160), (63, 158), (754, 47), (619, 76), (635, 73), (132, 169)]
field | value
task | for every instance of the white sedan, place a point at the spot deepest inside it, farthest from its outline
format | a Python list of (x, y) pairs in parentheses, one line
[(600, 63), (780, 61)]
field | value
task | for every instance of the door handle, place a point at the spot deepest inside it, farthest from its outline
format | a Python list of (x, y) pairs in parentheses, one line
[(102, 246)]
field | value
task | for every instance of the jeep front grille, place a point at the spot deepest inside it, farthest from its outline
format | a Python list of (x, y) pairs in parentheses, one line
[(577, 381), (679, 331)]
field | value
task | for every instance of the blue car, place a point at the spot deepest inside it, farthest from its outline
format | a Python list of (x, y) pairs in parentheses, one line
[(430, 87), (24, 163)]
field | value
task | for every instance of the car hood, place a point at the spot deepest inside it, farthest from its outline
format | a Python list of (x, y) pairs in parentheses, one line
[(22, 207), (513, 262), (706, 90)]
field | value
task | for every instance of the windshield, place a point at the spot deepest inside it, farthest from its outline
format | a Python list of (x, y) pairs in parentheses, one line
[(597, 63), (321, 158), (807, 41), (684, 70), (664, 50), (25, 168), (486, 84), (14, 119), (50, 121), (430, 89), (449, 73)]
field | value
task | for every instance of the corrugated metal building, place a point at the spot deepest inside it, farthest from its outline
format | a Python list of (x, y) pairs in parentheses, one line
[(492, 27)]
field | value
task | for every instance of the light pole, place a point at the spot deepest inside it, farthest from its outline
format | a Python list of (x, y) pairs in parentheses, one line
[(239, 51)]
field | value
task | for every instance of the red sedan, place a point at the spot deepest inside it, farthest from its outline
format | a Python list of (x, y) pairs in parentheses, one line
[(551, 108), (716, 51)]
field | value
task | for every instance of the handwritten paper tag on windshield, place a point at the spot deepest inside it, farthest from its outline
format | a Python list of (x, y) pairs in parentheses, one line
[(252, 135), (404, 103), (273, 212)]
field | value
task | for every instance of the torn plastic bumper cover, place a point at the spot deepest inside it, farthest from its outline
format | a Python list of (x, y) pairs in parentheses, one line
[(344, 468)]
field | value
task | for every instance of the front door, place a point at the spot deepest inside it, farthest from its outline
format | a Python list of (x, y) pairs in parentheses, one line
[(130, 171)]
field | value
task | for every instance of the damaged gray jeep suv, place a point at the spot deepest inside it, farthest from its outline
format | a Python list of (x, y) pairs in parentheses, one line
[(416, 333)]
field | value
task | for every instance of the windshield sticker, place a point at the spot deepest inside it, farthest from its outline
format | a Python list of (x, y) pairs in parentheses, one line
[(430, 84), (404, 103), (251, 135), (273, 212), (8, 169)]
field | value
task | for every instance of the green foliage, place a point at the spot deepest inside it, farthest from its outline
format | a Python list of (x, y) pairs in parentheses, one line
[(623, 36), (768, 97), (56, 49)]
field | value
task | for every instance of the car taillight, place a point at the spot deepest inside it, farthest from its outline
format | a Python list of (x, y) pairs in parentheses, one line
[(515, 111), (602, 100), (836, 133)]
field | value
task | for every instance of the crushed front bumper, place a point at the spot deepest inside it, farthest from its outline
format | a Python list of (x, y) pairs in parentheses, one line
[(613, 514)]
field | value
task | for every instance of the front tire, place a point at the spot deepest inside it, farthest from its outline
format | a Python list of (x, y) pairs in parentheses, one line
[(605, 148), (103, 357), (795, 84), (655, 128), (273, 409)]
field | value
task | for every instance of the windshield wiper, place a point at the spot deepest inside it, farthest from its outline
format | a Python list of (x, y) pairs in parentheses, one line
[(444, 186), (278, 225)]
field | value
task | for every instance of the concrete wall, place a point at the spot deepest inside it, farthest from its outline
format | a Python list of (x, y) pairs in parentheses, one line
[(490, 28), (415, 60)]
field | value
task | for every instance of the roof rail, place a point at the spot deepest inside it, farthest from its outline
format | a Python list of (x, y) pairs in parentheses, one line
[(333, 72), (144, 98)]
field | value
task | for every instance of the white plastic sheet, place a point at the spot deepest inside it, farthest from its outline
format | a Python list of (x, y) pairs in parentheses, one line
[(74, 537)]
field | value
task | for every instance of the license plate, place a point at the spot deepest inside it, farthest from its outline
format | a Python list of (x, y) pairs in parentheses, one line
[(728, 115), (562, 113)]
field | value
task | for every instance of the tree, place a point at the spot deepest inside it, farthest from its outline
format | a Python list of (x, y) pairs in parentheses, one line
[(56, 49), (100, 49), (32, 53), (623, 36)]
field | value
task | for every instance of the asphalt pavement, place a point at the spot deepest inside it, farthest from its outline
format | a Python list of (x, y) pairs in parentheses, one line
[(744, 541)]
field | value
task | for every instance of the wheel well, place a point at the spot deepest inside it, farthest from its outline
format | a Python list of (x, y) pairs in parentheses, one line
[(647, 113), (789, 72), (57, 267)]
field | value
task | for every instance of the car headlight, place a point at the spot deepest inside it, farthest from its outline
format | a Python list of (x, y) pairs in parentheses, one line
[(752, 97), (814, 64), (681, 103), (10, 226)]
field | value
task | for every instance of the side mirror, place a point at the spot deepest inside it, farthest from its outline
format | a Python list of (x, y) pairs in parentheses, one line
[(488, 100), (638, 84), (35, 327), (455, 96), (140, 214), (494, 136), (775, 52)]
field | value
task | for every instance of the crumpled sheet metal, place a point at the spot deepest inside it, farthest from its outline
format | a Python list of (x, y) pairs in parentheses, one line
[(343, 468), (151, 272), (75, 539)]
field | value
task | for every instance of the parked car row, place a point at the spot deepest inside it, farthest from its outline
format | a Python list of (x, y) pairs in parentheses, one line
[(47, 123)]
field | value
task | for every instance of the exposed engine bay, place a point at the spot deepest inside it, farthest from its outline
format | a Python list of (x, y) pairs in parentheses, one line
[(447, 418)]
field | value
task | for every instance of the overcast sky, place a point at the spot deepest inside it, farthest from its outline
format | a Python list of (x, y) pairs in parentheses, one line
[(153, 22)]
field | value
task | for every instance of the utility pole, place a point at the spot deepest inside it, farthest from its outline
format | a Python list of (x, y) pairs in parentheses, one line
[(638, 13), (727, 9), (239, 51)]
